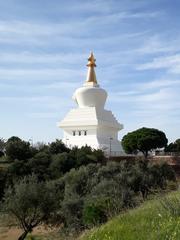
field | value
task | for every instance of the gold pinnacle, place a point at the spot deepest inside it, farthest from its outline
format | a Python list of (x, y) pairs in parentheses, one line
[(91, 75), (91, 61)]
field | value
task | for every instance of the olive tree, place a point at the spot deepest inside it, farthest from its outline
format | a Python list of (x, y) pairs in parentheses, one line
[(18, 149), (31, 203), (144, 140)]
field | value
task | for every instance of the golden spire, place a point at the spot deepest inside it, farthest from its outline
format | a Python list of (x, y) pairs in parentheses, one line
[(91, 75), (91, 60)]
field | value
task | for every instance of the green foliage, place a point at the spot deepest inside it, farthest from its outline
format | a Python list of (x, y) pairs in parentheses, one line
[(172, 205), (18, 168), (41, 147), (86, 155), (173, 147), (97, 191), (60, 164), (72, 211), (144, 140), (87, 189), (94, 212), (57, 147), (78, 183), (31, 203), (148, 221), (39, 165), (18, 149)]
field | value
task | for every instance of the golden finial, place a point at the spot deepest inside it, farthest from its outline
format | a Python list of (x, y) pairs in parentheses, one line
[(91, 61), (91, 75)]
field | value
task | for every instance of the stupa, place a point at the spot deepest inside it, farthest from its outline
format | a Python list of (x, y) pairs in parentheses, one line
[(89, 123)]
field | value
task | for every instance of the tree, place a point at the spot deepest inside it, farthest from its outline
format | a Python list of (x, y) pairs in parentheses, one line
[(31, 203), (39, 165), (58, 147), (144, 140), (18, 149), (178, 144), (60, 164), (173, 147), (2, 147)]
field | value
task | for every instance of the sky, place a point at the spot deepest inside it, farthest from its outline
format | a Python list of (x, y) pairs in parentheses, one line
[(44, 46)]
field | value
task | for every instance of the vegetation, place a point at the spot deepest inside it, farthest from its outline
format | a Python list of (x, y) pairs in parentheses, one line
[(17, 149), (31, 203), (173, 147), (144, 140), (2, 147), (76, 189), (152, 220)]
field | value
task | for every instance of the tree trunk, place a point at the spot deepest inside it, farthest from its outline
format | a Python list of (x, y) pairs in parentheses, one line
[(23, 236), (145, 153)]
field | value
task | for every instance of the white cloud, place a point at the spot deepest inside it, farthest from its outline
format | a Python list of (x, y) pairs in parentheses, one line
[(162, 62), (30, 57), (158, 43), (39, 74), (158, 83)]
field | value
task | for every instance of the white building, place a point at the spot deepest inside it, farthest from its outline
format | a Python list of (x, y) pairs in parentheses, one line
[(89, 123)]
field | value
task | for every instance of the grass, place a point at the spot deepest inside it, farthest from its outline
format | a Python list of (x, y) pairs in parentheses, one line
[(150, 221)]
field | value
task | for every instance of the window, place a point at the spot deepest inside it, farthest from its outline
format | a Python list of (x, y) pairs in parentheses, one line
[(85, 132), (79, 133), (74, 133)]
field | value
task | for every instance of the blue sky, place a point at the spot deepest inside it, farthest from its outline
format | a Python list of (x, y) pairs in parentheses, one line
[(43, 56)]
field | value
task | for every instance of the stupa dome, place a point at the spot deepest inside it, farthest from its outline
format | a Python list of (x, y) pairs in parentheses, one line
[(90, 95)]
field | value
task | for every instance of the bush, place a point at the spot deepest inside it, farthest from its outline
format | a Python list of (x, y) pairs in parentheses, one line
[(31, 203), (61, 163), (18, 149), (72, 212), (81, 181), (18, 169), (58, 147), (39, 165), (94, 212)]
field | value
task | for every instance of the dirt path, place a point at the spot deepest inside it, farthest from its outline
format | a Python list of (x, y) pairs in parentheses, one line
[(13, 233)]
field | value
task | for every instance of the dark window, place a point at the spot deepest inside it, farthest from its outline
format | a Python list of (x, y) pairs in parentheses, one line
[(74, 133), (79, 133), (85, 132)]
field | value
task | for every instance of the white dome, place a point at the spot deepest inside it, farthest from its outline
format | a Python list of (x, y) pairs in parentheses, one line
[(89, 96)]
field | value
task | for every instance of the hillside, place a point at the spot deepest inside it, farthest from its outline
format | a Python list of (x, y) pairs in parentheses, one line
[(150, 221)]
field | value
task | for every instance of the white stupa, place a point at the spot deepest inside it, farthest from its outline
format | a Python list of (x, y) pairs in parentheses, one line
[(89, 123)]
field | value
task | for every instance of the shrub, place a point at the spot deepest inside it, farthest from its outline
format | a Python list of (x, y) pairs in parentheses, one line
[(72, 212), (81, 181), (58, 147), (94, 212), (39, 165), (31, 203), (18, 169), (61, 163), (18, 149)]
